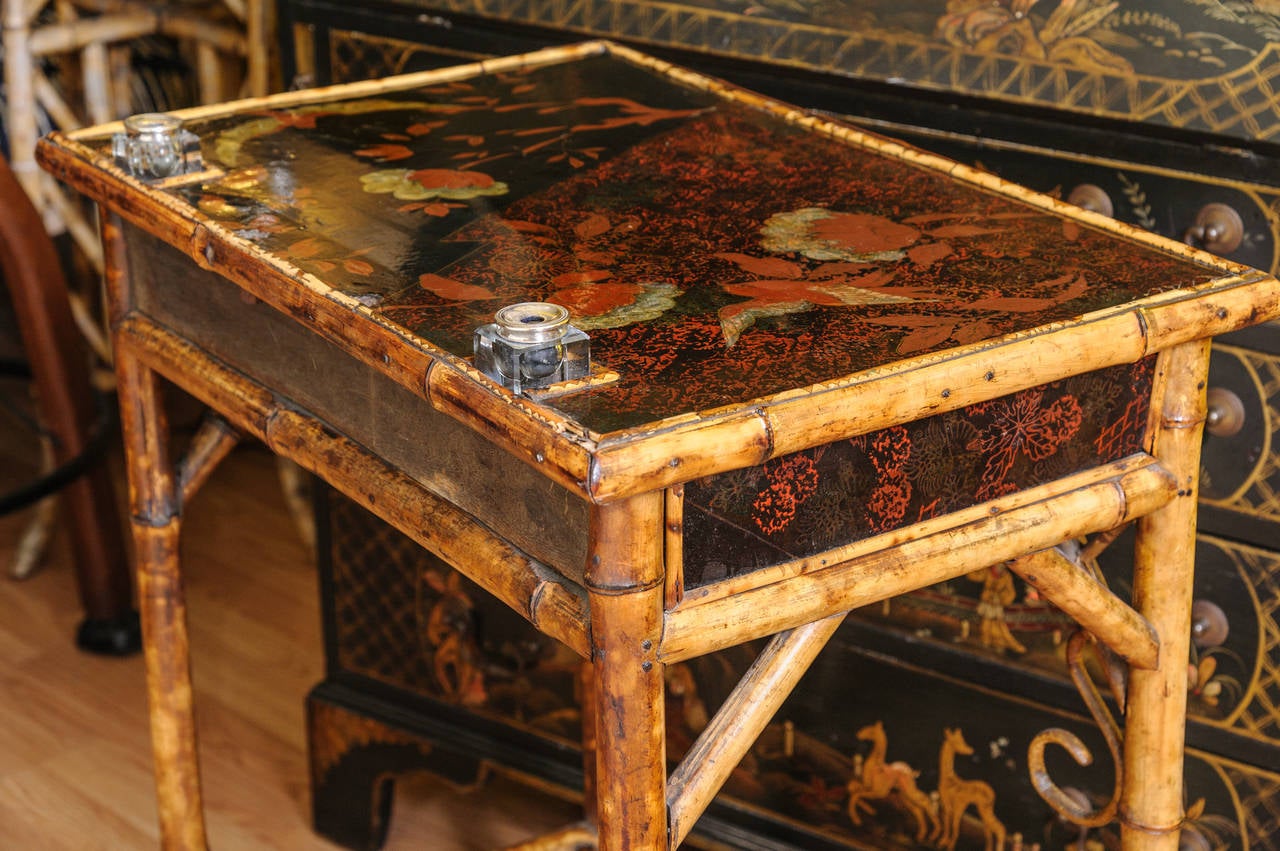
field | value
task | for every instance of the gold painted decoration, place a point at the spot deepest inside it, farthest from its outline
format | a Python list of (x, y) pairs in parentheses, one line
[(957, 794), (431, 183), (876, 778), (1200, 64)]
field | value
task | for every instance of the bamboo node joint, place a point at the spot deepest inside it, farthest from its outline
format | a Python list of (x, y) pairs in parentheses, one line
[(1127, 821), (1180, 421)]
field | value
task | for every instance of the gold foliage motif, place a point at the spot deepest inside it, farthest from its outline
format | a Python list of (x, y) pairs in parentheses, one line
[(1203, 64), (1007, 27)]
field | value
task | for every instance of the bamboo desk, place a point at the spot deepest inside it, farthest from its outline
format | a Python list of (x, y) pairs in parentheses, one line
[(916, 369)]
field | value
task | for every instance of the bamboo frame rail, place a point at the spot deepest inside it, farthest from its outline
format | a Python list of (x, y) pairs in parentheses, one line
[(625, 588), (156, 525), (675, 546), (212, 443), (1064, 510), (549, 601), (155, 504), (1091, 605), (740, 721)]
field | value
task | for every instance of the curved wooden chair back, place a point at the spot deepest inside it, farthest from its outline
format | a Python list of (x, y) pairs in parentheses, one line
[(61, 370)]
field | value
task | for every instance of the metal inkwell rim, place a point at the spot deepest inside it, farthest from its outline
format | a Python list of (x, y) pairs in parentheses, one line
[(532, 322)]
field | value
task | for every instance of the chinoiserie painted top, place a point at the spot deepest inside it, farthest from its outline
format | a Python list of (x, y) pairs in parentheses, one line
[(718, 249)]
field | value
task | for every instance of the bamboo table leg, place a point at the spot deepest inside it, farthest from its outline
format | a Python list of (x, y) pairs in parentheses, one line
[(156, 524), (625, 584), (1151, 800), (587, 689), (155, 503)]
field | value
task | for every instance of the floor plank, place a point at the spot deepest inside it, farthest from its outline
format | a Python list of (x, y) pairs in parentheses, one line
[(74, 758)]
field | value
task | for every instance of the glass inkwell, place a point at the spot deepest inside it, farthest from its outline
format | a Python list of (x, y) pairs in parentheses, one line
[(531, 345), (154, 146)]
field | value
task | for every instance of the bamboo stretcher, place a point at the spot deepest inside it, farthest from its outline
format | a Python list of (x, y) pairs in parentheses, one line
[(626, 610)]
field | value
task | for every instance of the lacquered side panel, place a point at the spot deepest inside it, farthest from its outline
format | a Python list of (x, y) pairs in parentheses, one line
[(801, 504), (449, 459)]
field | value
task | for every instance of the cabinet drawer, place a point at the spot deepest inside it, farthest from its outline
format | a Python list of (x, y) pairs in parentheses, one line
[(993, 623), (1240, 469), (415, 647)]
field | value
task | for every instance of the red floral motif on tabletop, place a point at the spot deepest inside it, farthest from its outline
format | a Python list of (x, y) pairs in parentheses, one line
[(430, 183), (804, 278), (785, 287), (553, 141), (579, 267), (597, 294), (587, 294), (640, 350), (316, 255), (451, 290), (860, 245), (230, 141), (386, 153), (439, 209), (808, 260), (440, 179)]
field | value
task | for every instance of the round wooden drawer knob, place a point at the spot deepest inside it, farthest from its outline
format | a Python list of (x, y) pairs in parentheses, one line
[(1225, 416), (1087, 196), (1217, 228), (1209, 625), (1191, 839)]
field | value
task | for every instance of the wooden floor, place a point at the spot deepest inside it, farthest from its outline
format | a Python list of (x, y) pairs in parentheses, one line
[(74, 757)]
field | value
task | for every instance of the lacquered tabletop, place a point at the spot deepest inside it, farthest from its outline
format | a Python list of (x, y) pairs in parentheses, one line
[(715, 252)]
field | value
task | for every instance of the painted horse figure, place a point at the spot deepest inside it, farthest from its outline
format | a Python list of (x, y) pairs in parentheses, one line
[(957, 794), (878, 780)]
